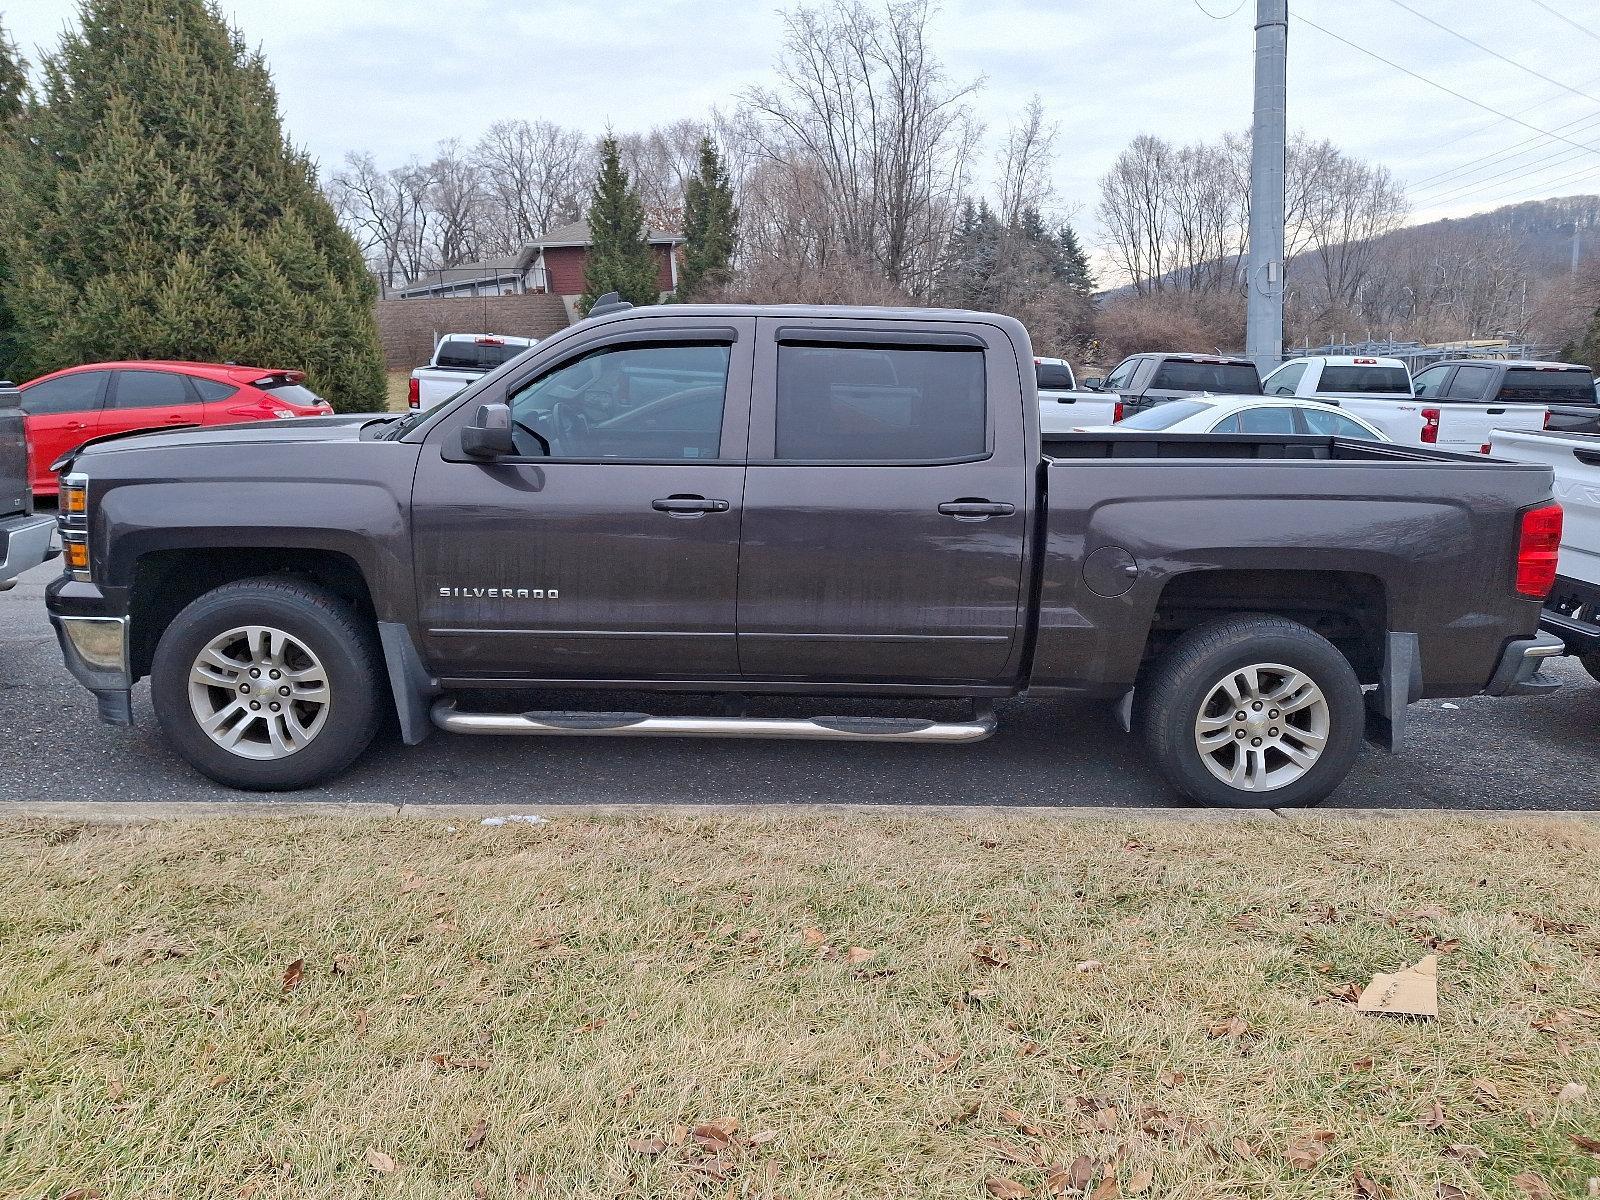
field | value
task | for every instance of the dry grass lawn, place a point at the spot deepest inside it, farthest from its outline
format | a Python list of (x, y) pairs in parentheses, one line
[(766, 1005), (395, 385)]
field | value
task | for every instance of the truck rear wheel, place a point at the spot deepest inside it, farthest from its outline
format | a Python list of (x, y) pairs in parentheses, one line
[(1591, 664), (267, 684), (1252, 712)]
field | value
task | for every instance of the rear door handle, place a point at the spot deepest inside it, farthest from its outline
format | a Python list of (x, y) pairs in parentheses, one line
[(689, 504), (975, 510)]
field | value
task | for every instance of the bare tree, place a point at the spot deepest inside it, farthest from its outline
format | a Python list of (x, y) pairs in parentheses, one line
[(659, 163), (457, 196), (388, 211), (1024, 164), (537, 175), (1134, 204), (1350, 205), (866, 110)]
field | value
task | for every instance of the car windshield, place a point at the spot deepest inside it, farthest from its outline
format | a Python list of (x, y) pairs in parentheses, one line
[(1164, 416)]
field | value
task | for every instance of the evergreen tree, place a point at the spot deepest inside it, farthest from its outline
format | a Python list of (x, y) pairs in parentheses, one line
[(1078, 276), (15, 95), (709, 222), (158, 211), (620, 258)]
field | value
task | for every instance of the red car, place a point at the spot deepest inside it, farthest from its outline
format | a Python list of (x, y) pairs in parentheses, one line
[(63, 410)]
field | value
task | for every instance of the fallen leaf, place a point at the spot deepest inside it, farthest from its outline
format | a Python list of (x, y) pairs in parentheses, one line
[(1305, 1151), (1012, 1117), (1243, 1148), (410, 882), (813, 936), (1485, 1093), (762, 1138), (343, 964), (1170, 1079), (1088, 965), (218, 1080), (476, 1134), (293, 974), (379, 1161), (1140, 1181), (1572, 1092), (1464, 1152), (480, 1191), (646, 1145), (1108, 1189), (990, 955), (83, 1193), (1368, 1187), (715, 1134), (1531, 1183), (1082, 1171), (1433, 1119), (1449, 1191), (857, 955), (1591, 1144), (1233, 1027), (1012, 1152), (1005, 1189)]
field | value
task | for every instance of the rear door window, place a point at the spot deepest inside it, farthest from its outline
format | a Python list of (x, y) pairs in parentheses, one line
[(1185, 375), (1267, 420), (1122, 375), (1333, 424), (1530, 384), (1469, 383), (1427, 383), (81, 392), (212, 390), (151, 389), (880, 404), (1378, 380)]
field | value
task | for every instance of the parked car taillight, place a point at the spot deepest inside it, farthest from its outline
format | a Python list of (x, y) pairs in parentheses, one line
[(1116, 413), (1538, 545), (1546, 424), (1430, 425), (414, 393)]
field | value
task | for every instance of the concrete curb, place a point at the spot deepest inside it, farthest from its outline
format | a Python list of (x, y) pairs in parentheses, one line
[(142, 812)]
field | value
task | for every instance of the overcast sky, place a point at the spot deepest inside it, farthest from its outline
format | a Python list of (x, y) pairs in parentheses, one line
[(398, 76)]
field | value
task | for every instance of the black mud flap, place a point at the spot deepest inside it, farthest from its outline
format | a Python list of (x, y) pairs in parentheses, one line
[(1399, 683), (413, 687)]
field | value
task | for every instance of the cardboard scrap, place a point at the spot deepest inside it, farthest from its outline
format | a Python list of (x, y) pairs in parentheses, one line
[(1410, 991)]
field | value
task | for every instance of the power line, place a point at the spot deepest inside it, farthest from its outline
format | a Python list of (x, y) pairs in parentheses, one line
[(1515, 150), (1461, 137), (1224, 16), (1587, 173), (1495, 53), (1433, 83), (1560, 156), (1563, 17), (1464, 191)]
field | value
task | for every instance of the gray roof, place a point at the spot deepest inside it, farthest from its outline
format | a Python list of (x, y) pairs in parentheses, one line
[(576, 233)]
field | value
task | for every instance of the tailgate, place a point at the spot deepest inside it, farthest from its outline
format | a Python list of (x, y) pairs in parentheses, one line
[(1576, 461), (1470, 427), (1062, 412)]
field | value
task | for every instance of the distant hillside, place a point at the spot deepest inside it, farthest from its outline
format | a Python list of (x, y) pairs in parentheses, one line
[(1541, 230)]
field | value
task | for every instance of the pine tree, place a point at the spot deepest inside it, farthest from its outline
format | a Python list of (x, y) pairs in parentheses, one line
[(1077, 274), (709, 222), (158, 211), (620, 258), (15, 95)]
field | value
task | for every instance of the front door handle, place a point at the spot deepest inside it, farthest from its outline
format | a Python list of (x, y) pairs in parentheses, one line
[(689, 504), (975, 510)]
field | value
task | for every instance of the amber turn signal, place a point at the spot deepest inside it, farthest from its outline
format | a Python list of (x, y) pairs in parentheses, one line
[(74, 501), (77, 554)]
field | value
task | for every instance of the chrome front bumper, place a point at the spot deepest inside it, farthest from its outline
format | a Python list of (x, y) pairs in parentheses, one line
[(96, 652)]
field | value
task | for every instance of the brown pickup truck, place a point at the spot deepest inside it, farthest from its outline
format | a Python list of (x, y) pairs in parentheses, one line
[(737, 501)]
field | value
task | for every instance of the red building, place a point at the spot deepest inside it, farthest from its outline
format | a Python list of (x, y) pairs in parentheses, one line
[(554, 263)]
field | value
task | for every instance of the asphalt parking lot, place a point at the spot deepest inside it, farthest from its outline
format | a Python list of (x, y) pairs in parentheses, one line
[(1540, 753)]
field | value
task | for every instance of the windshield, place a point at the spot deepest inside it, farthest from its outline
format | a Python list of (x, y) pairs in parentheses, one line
[(1163, 416), (474, 354)]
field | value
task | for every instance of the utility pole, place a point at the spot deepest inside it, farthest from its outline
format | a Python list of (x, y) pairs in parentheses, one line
[(1263, 339)]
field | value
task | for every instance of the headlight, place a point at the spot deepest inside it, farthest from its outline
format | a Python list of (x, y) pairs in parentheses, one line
[(73, 519)]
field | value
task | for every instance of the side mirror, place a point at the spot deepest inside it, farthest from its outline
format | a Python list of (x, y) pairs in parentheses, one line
[(10, 397), (489, 435), (1093, 383)]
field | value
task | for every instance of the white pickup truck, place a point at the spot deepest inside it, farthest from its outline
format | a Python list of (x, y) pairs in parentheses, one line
[(1572, 610), (458, 359), (1063, 408), (1448, 405)]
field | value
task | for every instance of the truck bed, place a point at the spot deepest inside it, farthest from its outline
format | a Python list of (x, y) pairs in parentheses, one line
[(1140, 529)]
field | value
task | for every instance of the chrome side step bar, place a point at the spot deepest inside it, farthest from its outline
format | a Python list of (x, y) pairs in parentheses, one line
[(633, 724)]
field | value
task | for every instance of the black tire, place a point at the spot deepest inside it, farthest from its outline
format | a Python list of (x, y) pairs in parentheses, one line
[(1591, 664), (1170, 697), (324, 625)]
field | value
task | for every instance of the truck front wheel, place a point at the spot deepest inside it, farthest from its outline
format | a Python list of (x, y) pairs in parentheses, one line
[(267, 684), (1252, 712)]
